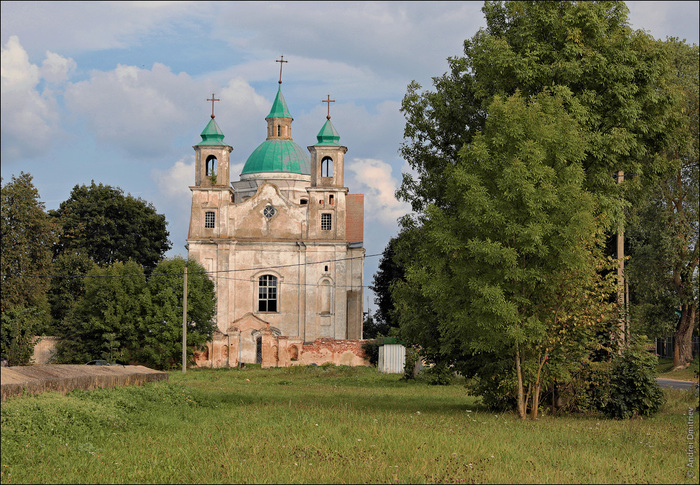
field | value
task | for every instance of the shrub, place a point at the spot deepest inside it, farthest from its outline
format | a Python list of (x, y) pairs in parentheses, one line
[(409, 368), (371, 350), (439, 375)]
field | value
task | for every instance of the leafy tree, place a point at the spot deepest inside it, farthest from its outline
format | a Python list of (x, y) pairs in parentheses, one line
[(18, 328), (388, 272), (161, 329), (112, 304), (615, 74), (67, 286), (508, 266), (27, 237), (664, 234), (103, 223), (129, 317)]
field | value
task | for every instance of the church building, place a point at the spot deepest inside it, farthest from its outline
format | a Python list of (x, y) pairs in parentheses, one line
[(283, 245)]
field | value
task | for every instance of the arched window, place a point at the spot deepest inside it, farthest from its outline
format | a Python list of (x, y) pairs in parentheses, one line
[(325, 297), (327, 167), (211, 165), (267, 293), (279, 130)]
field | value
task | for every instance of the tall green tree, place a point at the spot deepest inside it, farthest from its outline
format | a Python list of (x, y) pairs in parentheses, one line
[(127, 316), (161, 342), (509, 265), (110, 310), (616, 74), (27, 238), (664, 234), (388, 273), (27, 235), (108, 226)]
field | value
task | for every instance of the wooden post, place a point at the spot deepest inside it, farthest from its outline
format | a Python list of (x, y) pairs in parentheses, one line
[(184, 323)]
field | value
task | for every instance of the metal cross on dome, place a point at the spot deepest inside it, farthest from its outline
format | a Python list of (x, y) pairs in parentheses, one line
[(281, 61), (329, 101), (212, 103)]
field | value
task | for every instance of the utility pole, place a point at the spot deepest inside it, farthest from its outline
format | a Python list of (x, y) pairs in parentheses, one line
[(184, 322), (621, 282)]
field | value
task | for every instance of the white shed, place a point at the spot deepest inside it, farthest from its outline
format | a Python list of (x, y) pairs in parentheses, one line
[(392, 358)]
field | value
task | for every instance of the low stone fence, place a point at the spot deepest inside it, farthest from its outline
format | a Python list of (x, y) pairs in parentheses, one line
[(36, 379)]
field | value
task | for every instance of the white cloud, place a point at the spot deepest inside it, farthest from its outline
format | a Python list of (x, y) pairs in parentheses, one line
[(374, 179), (29, 118), (56, 68)]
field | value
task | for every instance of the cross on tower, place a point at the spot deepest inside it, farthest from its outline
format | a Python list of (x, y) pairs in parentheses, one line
[(281, 61), (329, 101), (212, 103)]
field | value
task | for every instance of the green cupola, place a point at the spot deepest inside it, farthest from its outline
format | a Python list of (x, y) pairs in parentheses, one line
[(212, 134), (278, 153), (328, 136)]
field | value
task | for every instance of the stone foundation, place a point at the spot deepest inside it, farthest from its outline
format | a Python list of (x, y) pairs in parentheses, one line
[(251, 340)]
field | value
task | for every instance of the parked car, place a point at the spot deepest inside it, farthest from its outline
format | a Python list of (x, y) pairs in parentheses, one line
[(98, 362)]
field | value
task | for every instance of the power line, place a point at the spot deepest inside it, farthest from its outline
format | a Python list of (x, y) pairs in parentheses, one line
[(261, 268)]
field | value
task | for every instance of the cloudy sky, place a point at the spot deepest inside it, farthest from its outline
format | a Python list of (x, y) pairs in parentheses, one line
[(116, 92)]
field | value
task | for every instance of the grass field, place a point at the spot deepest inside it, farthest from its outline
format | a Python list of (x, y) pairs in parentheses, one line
[(665, 369), (326, 424)]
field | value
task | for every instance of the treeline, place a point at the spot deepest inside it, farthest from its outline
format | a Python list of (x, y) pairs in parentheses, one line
[(559, 128), (93, 273)]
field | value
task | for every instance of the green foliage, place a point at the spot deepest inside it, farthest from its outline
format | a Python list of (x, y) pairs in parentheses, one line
[(371, 350), (388, 272), (439, 374), (19, 327), (632, 389), (27, 236), (112, 304), (663, 231), (67, 286), (412, 358), (161, 328), (135, 318), (101, 222)]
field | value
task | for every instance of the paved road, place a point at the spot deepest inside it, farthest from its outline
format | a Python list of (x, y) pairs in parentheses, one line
[(673, 384)]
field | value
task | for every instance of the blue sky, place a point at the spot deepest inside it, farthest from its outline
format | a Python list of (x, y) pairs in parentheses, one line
[(116, 91)]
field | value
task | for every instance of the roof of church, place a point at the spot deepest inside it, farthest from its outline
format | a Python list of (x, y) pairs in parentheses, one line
[(212, 134), (279, 106), (328, 135), (278, 155)]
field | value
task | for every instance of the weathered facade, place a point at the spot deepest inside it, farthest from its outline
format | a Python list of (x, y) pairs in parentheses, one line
[(283, 245)]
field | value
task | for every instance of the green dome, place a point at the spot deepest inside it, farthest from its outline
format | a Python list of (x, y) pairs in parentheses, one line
[(277, 155)]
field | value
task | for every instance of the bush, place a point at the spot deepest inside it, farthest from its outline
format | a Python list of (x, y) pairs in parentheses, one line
[(409, 368), (439, 375), (633, 390), (371, 350)]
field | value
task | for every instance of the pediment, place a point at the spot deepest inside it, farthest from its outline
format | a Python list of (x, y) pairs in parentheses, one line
[(248, 322)]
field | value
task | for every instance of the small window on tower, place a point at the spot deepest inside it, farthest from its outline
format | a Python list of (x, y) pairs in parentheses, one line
[(209, 219), (279, 130), (303, 201), (330, 199), (326, 222)]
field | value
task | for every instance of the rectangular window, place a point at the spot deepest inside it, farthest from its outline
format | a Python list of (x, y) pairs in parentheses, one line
[(326, 222), (209, 219), (267, 293)]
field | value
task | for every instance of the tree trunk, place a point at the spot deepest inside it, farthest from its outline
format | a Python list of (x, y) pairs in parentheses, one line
[(521, 397), (683, 337)]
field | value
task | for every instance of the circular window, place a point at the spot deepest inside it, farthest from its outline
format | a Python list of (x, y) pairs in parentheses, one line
[(269, 211)]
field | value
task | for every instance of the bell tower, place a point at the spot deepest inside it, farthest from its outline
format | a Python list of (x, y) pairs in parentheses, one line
[(212, 155), (327, 192)]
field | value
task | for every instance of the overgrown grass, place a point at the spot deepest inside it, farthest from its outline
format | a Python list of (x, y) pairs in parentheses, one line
[(326, 424), (665, 369)]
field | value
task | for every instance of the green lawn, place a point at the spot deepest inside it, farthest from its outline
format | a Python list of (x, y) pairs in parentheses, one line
[(320, 425), (665, 369)]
